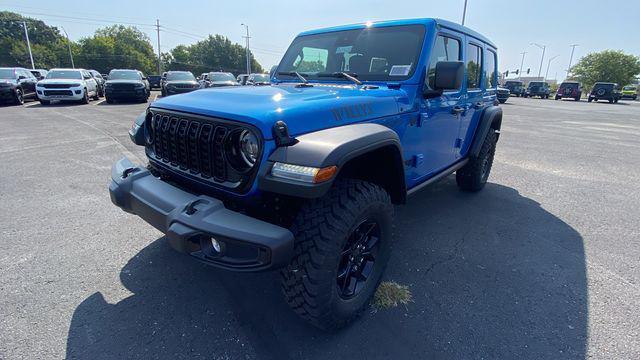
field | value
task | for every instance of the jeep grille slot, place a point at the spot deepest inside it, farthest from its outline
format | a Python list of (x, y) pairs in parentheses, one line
[(194, 146)]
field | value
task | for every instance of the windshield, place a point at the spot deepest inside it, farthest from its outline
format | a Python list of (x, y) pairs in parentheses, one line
[(261, 78), (377, 54), (124, 75), (629, 87), (221, 77), (603, 86), (535, 83), (64, 74), (180, 76), (7, 74), (512, 83), (568, 85)]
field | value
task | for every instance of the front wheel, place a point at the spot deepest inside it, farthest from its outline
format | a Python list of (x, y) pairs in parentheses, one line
[(19, 98), (473, 176), (342, 245), (85, 97)]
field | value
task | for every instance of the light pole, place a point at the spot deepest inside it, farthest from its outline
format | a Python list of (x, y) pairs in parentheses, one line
[(248, 59), (549, 64), (464, 12), (26, 33), (521, 64), (69, 46), (544, 48), (573, 48)]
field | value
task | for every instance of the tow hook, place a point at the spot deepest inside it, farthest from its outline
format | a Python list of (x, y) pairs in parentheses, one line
[(128, 171)]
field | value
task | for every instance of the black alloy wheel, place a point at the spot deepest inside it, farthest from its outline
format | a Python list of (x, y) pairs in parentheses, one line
[(357, 259)]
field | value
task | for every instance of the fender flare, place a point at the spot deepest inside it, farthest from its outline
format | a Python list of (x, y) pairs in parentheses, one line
[(334, 146), (491, 118)]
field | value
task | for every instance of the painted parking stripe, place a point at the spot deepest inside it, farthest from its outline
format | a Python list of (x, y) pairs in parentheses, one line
[(98, 102), (31, 103)]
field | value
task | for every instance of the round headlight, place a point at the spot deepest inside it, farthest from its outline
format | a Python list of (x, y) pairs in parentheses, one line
[(249, 147)]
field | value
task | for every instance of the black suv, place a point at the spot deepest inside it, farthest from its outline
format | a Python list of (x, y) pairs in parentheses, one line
[(569, 89), (16, 84), (178, 82), (538, 88), (154, 81), (218, 79), (126, 84), (605, 91), (516, 87)]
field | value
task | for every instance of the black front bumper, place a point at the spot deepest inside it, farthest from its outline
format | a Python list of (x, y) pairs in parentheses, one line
[(190, 221), (126, 94)]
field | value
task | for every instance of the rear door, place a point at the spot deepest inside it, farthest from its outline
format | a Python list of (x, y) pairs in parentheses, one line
[(476, 89)]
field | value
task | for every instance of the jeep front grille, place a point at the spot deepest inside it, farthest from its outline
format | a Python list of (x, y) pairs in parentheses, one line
[(194, 145)]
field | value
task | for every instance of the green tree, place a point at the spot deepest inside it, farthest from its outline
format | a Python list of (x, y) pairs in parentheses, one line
[(117, 46), (215, 53), (48, 46), (609, 66)]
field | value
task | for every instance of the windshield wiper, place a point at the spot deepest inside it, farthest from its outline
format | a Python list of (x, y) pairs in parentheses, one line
[(294, 73), (342, 74)]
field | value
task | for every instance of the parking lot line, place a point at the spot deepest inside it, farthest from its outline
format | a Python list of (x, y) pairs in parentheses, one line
[(98, 102), (31, 103)]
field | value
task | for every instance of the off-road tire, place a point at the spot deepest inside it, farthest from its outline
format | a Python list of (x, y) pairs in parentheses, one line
[(322, 229), (502, 101), (474, 174)]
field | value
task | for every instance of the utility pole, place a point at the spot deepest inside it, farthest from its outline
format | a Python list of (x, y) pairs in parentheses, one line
[(464, 12), (26, 33), (248, 58), (544, 48), (521, 64), (158, 32), (549, 64), (573, 48), (73, 66)]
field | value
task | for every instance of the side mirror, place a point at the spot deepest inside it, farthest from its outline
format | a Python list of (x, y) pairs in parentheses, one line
[(448, 76), (21, 77), (144, 78)]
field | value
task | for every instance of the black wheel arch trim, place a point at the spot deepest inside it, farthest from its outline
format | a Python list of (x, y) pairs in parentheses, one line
[(334, 146), (491, 118)]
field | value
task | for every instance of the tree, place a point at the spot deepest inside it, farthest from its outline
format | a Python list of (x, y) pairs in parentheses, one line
[(115, 47), (608, 66), (215, 53)]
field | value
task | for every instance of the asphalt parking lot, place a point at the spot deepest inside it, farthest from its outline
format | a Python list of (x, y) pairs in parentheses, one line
[(544, 263)]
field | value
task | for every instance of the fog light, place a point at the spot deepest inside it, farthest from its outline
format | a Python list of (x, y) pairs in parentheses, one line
[(78, 92), (216, 245)]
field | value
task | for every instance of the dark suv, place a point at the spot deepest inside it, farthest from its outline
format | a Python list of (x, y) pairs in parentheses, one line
[(605, 91), (178, 82), (516, 87), (154, 81), (538, 88), (303, 175), (126, 84), (16, 84), (569, 89)]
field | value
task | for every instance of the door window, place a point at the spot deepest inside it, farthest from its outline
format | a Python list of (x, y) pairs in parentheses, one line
[(490, 76), (445, 49), (474, 66)]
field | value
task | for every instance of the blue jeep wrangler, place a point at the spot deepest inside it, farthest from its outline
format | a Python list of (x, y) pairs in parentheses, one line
[(303, 175)]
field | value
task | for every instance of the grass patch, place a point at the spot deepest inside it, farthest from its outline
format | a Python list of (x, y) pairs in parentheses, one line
[(391, 294)]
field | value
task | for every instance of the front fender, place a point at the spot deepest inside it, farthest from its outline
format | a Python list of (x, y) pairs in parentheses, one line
[(334, 146)]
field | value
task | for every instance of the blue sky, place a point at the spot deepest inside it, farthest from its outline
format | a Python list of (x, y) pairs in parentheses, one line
[(512, 25)]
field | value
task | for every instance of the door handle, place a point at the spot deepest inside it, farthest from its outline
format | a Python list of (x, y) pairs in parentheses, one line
[(478, 105), (457, 109)]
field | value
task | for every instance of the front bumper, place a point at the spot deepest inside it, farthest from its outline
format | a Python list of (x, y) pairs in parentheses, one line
[(7, 93), (125, 94), (73, 93), (190, 221)]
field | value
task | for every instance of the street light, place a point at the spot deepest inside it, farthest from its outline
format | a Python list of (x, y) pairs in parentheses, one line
[(573, 48), (464, 12), (549, 64), (521, 64), (69, 46), (247, 50), (544, 48)]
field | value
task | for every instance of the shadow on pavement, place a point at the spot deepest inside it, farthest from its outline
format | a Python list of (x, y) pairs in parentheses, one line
[(493, 275)]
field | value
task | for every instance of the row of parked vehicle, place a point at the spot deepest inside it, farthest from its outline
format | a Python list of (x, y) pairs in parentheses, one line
[(80, 85), (570, 90)]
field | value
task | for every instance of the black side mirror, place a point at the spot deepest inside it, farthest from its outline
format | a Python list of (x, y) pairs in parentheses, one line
[(448, 76), (21, 77)]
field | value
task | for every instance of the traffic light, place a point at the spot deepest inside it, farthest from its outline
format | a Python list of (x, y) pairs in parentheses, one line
[(528, 70)]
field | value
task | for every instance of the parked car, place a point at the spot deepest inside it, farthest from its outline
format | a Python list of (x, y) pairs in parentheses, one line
[(242, 79), (242, 185), (629, 92), (605, 91), (39, 73), (516, 87), (154, 81), (538, 88), (127, 84), (219, 79), (503, 94), (258, 79), (67, 85), (105, 76), (569, 89), (99, 80), (178, 82), (16, 84)]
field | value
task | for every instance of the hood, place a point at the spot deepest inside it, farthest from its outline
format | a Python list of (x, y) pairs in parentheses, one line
[(124, 81), (60, 81), (224, 83), (304, 109), (182, 82)]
